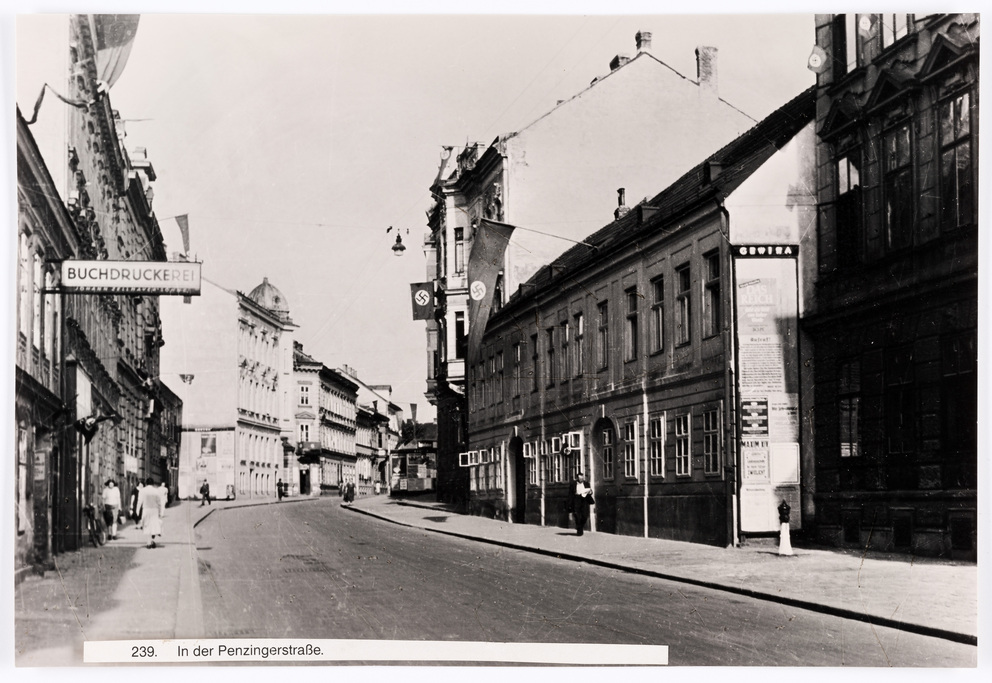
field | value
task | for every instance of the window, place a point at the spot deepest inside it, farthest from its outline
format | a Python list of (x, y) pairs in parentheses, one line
[(711, 304), (499, 377), (683, 306), (608, 453), (532, 471), (711, 442), (849, 409), (304, 432), (630, 449), (580, 335), (848, 215), (957, 194), (682, 445), (461, 340), (563, 333), (516, 370), (658, 314), (603, 336), (534, 385), (459, 250), (304, 395), (897, 187), (959, 394), (844, 35), (549, 348), (656, 446), (630, 328), (900, 401), (893, 27)]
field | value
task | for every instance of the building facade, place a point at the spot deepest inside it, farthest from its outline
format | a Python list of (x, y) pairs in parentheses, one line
[(662, 358), (639, 127), (897, 283), (88, 364), (234, 357), (326, 423)]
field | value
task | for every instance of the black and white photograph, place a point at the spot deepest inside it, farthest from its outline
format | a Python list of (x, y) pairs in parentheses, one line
[(418, 340)]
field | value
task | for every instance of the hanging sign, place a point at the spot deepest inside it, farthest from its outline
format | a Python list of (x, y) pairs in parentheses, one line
[(130, 277)]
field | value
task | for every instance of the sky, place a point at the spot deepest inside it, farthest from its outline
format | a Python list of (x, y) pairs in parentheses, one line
[(293, 142)]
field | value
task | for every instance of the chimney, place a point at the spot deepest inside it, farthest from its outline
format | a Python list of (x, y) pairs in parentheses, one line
[(706, 68), (622, 208), (643, 40), (618, 61)]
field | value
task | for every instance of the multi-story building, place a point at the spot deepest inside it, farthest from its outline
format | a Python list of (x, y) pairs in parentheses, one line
[(171, 410), (97, 353), (326, 424), (639, 127), (897, 283), (661, 357), (236, 353), (45, 231), (379, 425)]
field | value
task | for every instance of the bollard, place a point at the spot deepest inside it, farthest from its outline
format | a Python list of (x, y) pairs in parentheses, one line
[(784, 543)]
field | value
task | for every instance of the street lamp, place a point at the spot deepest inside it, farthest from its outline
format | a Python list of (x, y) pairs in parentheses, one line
[(399, 247)]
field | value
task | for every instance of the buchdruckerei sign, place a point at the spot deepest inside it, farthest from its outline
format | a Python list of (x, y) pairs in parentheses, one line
[(131, 277)]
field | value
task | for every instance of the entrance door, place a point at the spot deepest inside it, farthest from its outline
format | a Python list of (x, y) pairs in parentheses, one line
[(516, 451)]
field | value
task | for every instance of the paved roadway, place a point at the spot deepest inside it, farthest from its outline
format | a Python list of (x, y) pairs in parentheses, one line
[(315, 570)]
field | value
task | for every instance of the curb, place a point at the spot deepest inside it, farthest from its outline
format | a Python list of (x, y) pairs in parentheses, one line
[(841, 612)]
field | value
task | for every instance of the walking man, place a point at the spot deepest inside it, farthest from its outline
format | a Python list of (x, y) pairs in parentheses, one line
[(205, 494), (580, 502)]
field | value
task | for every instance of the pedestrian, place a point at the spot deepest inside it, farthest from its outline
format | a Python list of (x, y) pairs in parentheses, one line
[(152, 507), (135, 510), (581, 500), (111, 506), (349, 493), (205, 494), (280, 489)]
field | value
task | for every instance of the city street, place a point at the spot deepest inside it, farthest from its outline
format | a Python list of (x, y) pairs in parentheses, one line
[(320, 571)]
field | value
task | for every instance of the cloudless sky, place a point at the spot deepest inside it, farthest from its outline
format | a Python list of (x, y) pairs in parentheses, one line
[(293, 142)]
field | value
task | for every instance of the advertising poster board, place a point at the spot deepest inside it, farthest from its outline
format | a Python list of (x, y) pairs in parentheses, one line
[(766, 295)]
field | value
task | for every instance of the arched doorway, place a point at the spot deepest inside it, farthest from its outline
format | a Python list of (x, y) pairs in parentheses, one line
[(603, 458), (516, 480)]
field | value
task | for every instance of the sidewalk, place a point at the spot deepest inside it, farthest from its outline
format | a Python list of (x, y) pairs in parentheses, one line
[(121, 590), (922, 595)]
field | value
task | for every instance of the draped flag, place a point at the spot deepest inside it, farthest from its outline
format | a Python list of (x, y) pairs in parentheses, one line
[(114, 36), (422, 297), (484, 264), (183, 222)]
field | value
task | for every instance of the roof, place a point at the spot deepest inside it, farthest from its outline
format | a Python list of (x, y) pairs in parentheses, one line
[(713, 179), (269, 297)]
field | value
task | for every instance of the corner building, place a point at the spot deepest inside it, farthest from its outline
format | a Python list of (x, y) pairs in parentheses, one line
[(662, 358), (897, 282)]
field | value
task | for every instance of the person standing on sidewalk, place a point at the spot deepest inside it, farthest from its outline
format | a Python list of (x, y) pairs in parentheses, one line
[(152, 510), (280, 489), (205, 494), (581, 501), (111, 506), (135, 510)]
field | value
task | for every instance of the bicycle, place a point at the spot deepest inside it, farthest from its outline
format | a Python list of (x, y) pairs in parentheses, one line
[(95, 526)]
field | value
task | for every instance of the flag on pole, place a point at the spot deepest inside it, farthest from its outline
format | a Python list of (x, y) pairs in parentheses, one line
[(484, 264), (422, 298), (183, 222), (114, 36)]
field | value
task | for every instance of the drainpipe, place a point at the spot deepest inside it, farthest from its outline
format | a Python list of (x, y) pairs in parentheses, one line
[(647, 464), (730, 379)]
